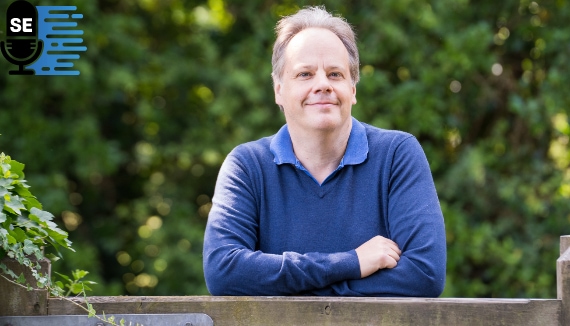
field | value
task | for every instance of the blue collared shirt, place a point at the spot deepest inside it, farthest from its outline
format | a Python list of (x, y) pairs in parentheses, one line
[(355, 153)]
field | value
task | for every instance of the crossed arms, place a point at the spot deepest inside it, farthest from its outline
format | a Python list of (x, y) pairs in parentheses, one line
[(407, 261)]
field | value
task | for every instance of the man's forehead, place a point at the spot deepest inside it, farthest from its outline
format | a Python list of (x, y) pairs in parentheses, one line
[(315, 43), (315, 36)]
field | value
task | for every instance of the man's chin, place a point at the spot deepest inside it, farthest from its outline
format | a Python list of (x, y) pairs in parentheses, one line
[(326, 123)]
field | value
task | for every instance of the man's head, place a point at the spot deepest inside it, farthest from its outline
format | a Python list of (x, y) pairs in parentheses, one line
[(315, 71), (313, 17)]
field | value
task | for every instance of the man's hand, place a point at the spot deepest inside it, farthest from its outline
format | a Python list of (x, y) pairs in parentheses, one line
[(377, 253)]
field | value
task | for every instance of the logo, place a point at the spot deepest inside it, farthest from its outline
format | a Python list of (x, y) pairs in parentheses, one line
[(42, 40)]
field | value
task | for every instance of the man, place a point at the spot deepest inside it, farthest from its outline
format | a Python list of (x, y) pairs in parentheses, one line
[(328, 205)]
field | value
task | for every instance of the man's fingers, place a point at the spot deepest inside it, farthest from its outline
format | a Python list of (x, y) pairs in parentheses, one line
[(394, 255)]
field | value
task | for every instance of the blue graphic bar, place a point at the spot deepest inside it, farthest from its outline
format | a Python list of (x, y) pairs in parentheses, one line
[(59, 51)]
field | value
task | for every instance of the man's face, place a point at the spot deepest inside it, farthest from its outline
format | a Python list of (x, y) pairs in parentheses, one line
[(316, 90)]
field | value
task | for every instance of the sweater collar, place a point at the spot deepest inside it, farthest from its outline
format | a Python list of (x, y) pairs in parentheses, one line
[(356, 149)]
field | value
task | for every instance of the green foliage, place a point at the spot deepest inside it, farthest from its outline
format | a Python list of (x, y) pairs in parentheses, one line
[(127, 153), (25, 229)]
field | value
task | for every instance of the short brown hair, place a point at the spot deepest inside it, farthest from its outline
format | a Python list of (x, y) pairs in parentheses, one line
[(313, 17)]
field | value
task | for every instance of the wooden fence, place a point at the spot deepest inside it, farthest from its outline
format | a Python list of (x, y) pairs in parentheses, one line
[(326, 310)]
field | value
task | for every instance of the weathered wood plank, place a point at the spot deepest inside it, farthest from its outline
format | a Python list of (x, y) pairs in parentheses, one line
[(563, 279), (15, 300), (333, 311), (564, 243)]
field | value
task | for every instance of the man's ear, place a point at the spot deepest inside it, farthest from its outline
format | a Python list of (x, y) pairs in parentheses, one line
[(353, 94), (277, 91)]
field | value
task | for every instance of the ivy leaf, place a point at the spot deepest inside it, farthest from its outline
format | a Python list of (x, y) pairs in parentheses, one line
[(32, 202), (17, 168), (76, 288), (92, 311), (11, 239), (30, 247), (79, 274), (15, 204), (8, 271), (2, 216), (65, 277), (3, 192), (5, 168), (59, 284), (21, 279), (21, 190), (42, 215), (6, 183), (52, 257), (85, 287), (18, 234)]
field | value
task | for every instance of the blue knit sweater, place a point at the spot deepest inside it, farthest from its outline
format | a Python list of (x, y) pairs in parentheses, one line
[(273, 230)]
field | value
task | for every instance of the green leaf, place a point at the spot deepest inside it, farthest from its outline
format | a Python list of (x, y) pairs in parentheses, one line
[(59, 284), (92, 311), (6, 183), (11, 239), (65, 277), (79, 274), (52, 257), (2, 217), (21, 279), (42, 282), (15, 204), (21, 190), (76, 288), (8, 271), (43, 215), (5, 168), (18, 234), (32, 202), (17, 168), (85, 287), (30, 247)]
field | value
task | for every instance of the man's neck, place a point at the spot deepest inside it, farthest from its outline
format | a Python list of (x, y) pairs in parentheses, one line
[(320, 152)]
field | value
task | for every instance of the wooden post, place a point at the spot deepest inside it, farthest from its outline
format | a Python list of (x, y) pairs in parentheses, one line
[(563, 279), (18, 301)]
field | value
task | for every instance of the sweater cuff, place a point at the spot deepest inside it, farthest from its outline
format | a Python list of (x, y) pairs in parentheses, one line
[(344, 266)]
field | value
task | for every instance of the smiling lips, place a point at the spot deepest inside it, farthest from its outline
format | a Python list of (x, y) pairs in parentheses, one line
[(322, 103)]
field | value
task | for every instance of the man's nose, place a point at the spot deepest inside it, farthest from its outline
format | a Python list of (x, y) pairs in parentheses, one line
[(322, 82)]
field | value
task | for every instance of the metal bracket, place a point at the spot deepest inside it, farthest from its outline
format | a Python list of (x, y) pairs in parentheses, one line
[(194, 319)]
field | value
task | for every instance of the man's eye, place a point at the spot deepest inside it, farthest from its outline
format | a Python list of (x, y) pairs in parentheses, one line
[(335, 74), (304, 74)]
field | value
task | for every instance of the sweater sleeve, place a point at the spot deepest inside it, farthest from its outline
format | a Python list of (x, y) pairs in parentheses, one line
[(415, 223), (233, 265)]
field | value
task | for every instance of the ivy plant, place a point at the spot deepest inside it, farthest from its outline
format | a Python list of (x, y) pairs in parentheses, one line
[(25, 228)]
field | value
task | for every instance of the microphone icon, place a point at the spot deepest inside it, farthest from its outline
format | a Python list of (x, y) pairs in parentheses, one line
[(22, 47)]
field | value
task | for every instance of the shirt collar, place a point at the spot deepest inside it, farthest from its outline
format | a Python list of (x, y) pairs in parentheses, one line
[(356, 149)]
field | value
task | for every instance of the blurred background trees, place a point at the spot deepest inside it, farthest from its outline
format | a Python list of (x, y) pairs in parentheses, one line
[(126, 154)]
